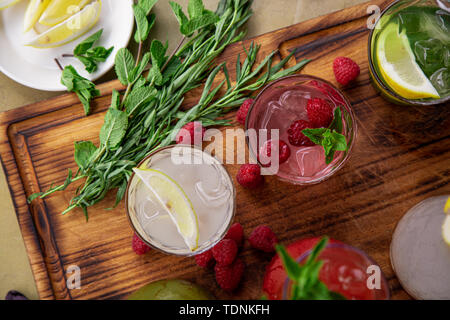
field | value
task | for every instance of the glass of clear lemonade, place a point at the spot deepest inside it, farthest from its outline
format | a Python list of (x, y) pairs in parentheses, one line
[(409, 52), (180, 200)]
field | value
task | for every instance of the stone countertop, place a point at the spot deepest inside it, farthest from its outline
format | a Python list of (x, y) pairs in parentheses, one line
[(15, 271)]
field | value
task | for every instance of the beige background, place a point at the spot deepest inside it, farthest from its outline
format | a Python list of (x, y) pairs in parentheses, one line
[(15, 272)]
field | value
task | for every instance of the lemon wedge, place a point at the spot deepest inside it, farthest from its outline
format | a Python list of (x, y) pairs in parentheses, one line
[(33, 12), (59, 10), (398, 65), (70, 29), (175, 201), (7, 3), (446, 230)]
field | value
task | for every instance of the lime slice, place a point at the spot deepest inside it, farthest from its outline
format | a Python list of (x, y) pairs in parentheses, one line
[(69, 30), (446, 230), (175, 201), (33, 12), (59, 10), (398, 65), (7, 3)]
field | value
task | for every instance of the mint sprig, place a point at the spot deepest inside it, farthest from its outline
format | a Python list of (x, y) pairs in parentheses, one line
[(331, 138), (305, 278), (89, 56)]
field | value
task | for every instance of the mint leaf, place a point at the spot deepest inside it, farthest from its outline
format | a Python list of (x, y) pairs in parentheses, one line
[(86, 44), (305, 278), (142, 27), (195, 8), (84, 88), (196, 23), (83, 153), (179, 14), (147, 5), (124, 65), (138, 97), (336, 124), (114, 128), (331, 141)]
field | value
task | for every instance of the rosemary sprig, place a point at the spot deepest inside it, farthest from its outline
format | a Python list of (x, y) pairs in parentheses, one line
[(148, 115)]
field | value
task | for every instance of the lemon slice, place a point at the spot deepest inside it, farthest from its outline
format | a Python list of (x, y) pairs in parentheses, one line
[(446, 230), (175, 201), (69, 30), (33, 12), (59, 10), (398, 65), (7, 3)]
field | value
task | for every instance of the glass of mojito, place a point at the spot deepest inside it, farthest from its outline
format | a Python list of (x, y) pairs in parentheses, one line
[(180, 200), (409, 52)]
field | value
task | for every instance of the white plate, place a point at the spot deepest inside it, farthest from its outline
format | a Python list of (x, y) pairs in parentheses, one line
[(36, 68)]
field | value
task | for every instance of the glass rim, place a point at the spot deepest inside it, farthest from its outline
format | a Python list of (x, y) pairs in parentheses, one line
[(306, 254), (348, 107), (375, 76), (189, 254)]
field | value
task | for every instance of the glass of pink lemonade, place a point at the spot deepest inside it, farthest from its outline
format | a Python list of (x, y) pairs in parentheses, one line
[(283, 105), (346, 270)]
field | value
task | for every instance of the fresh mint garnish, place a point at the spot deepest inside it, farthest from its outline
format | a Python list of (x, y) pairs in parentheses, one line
[(305, 278), (84, 88), (89, 56), (331, 138)]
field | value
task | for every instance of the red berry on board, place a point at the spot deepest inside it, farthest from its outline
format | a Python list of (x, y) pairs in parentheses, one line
[(263, 238), (236, 233), (345, 70), (296, 136), (228, 277), (205, 259), (191, 132), (225, 251), (284, 152), (139, 246), (241, 115), (319, 112), (249, 176)]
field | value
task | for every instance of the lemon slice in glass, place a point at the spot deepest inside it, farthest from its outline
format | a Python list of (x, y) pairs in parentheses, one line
[(175, 201), (7, 3), (59, 10), (70, 29), (33, 12), (446, 225), (398, 65)]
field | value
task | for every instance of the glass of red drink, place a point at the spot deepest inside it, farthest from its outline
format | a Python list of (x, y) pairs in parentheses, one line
[(283, 102), (345, 270)]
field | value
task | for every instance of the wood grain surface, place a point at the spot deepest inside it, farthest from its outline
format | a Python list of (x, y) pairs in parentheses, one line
[(401, 157)]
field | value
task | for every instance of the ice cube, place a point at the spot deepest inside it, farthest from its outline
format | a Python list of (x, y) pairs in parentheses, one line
[(213, 196), (430, 54), (295, 101), (310, 160), (441, 81)]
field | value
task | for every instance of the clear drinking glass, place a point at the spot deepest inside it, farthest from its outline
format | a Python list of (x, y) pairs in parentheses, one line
[(206, 183), (284, 101)]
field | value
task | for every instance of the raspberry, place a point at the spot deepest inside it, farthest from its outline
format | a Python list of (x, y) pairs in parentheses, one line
[(236, 233), (263, 238), (205, 259), (249, 176), (228, 277), (284, 152), (241, 115), (190, 133), (345, 70), (295, 135), (225, 251), (319, 112), (139, 246)]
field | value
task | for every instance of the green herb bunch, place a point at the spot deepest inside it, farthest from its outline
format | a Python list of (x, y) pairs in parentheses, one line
[(147, 114), (305, 278)]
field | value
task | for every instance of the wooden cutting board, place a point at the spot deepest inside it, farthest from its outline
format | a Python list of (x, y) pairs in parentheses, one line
[(401, 156)]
